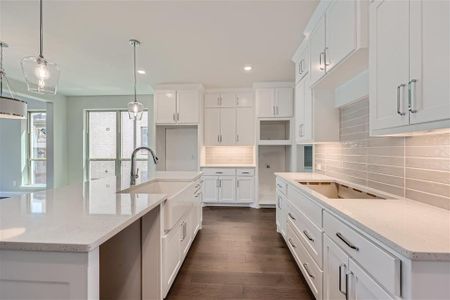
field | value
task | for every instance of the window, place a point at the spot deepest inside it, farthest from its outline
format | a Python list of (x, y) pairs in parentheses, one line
[(111, 139), (37, 148)]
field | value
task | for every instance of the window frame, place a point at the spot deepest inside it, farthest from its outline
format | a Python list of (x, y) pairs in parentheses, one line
[(29, 152), (118, 159)]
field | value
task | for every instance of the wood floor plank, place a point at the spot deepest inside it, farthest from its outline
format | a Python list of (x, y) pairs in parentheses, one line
[(239, 255)]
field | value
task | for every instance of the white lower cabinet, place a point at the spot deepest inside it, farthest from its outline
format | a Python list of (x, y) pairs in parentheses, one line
[(245, 189), (171, 257), (228, 186), (281, 213)]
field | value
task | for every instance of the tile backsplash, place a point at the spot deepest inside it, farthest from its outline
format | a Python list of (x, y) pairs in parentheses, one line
[(416, 167), (223, 155)]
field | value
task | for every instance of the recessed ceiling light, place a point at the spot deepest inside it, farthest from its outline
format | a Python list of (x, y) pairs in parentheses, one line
[(142, 72), (248, 68)]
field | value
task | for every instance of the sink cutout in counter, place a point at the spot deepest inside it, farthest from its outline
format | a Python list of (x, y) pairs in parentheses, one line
[(334, 190)]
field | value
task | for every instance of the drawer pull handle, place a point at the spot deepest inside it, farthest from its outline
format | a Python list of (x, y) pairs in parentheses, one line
[(291, 216), (308, 236), (305, 265), (349, 244), (292, 244), (245, 172), (219, 172)]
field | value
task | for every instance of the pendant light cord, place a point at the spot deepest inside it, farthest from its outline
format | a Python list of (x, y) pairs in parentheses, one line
[(134, 66), (1, 68), (41, 49)]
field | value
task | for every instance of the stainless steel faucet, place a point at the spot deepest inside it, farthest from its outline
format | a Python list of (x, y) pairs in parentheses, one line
[(133, 174)]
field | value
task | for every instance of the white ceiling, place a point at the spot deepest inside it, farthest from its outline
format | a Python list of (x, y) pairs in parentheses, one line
[(204, 42)]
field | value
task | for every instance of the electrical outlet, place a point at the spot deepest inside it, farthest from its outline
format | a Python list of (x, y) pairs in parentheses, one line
[(319, 166)]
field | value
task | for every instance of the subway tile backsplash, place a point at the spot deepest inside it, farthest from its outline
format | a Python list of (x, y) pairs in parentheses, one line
[(416, 167), (223, 155)]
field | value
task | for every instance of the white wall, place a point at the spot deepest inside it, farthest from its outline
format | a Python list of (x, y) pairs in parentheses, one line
[(76, 113)]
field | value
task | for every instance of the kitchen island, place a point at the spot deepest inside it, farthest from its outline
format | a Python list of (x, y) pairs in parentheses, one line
[(99, 239)]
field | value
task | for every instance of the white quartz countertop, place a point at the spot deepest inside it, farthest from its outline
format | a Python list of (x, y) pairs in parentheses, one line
[(416, 230), (79, 217)]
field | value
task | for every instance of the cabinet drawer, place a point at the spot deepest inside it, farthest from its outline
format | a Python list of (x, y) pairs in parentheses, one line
[(245, 172), (309, 268), (382, 265), (309, 234), (219, 171), (282, 185), (306, 205)]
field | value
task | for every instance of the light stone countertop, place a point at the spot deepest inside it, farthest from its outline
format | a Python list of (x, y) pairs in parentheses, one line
[(416, 230), (79, 217)]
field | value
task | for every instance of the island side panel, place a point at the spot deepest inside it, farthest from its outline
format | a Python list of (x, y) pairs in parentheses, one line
[(49, 275), (151, 230)]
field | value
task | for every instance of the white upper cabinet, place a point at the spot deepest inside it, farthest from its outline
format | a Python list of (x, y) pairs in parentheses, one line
[(244, 99), (212, 126), (302, 62), (178, 106), (409, 66), (338, 36), (274, 102), (284, 102), (245, 126), (389, 63), (340, 31), (265, 103), (188, 102), (227, 126), (317, 50), (229, 119), (430, 61), (166, 106)]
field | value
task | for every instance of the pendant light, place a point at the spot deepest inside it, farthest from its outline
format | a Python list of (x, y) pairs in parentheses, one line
[(10, 107), (41, 75), (135, 108)]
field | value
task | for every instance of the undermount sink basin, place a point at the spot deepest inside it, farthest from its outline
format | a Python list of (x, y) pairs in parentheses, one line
[(334, 190)]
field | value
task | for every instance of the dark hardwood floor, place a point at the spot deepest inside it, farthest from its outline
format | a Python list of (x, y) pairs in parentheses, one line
[(239, 255)]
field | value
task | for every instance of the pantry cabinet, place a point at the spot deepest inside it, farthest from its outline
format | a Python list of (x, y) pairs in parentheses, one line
[(274, 102), (177, 107), (409, 66), (229, 122)]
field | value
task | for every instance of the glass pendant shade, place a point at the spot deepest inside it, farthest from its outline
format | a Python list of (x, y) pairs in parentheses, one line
[(135, 110), (41, 76), (10, 107)]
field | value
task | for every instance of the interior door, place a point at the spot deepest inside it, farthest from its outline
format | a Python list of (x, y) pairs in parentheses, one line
[(245, 126), (210, 189), (212, 126), (166, 107), (317, 48), (245, 187), (265, 103), (340, 31), (227, 188), (430, 61), (284, 102), (389, 63), (362, 286), (228, 126), (188, 106), (334, 271)]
